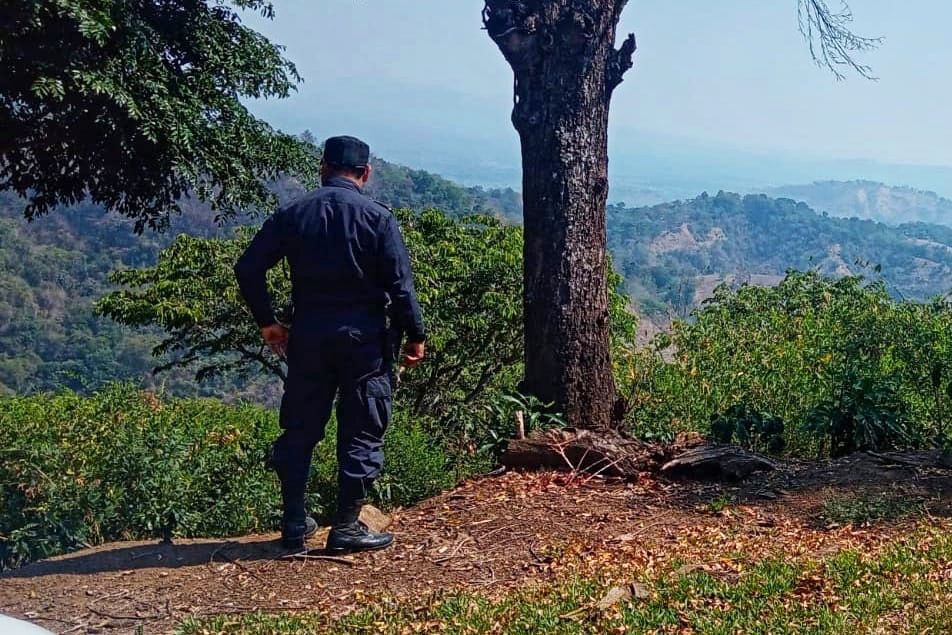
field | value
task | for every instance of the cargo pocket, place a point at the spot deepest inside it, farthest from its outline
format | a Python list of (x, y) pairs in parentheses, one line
[(379, 387), (379, 394)]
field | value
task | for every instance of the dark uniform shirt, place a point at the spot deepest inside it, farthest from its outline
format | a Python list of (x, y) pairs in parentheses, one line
[(345, 252)]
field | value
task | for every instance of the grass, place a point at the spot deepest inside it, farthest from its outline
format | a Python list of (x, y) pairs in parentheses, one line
[(905, 587), (852, 509), (719, 503)]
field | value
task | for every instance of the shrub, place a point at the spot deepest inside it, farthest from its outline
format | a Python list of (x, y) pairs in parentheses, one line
[(750, 429), (501, 425), (124, 465), (417, 466), (842, 364)]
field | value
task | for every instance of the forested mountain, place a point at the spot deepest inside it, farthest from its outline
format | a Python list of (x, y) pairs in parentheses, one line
[(53, 269), (871, 200), (673, 255)]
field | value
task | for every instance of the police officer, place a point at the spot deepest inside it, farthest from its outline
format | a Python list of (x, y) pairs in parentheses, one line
[(349, 270)]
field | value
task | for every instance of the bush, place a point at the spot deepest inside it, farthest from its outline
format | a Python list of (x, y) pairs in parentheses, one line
[(123, 465), (750, 429), (840, 364), (417, 466)]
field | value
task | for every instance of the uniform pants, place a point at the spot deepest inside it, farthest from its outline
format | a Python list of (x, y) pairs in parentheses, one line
[(343, 356)]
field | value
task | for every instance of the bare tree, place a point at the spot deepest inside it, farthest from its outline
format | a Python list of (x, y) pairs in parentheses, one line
[(566, 67)]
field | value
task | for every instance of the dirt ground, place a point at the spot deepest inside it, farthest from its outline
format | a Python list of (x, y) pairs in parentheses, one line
[(490, 534)]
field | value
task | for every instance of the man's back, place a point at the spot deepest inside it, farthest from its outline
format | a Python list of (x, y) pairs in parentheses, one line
[(332, 243), (345, 252)]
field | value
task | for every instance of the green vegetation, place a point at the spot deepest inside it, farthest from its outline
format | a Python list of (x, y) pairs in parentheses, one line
[(812, 365), (468, 274), (161, 473), (138, 107), (852, 509), (901, 589), (53, 270), (417, 189), (672, 255), (49, 334), (124, 464), (469, 281)]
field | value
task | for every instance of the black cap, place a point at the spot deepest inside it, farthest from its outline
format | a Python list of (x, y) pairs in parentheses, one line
[(346, 152)]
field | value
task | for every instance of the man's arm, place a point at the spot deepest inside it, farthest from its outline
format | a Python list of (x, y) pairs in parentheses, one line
[(397, 280), (264, 252)]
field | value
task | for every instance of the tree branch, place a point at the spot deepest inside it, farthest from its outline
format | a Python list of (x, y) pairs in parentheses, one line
[(485, 376), (263, 361), (832, 43), (622, 60)]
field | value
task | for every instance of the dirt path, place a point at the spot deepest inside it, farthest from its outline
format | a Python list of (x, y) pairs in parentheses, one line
[(489, 534)]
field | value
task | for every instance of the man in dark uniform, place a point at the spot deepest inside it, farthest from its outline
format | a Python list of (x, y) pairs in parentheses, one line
[(349, 269)]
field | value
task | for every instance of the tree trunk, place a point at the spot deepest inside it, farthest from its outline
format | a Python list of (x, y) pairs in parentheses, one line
[(566, 67)]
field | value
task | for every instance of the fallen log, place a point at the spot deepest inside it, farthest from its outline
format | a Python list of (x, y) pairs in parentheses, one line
[(717, 462), (611, 453), (604, 452)]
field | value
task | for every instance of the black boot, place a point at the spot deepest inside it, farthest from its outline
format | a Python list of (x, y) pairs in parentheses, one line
[(292, 464), (348, 534), (295, 533)]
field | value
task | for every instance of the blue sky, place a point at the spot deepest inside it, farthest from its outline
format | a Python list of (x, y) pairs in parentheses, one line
[(731, 74)]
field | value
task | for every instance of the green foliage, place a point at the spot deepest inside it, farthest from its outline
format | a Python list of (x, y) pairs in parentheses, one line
[(867, 414), (49, 334), (417, 189), (191, 294), (501, 426), (136, 106), (835, 357), (671, 255), (52, 271), (123, 465), (468, 273), (417, 466), (468, 276), (753, 430)]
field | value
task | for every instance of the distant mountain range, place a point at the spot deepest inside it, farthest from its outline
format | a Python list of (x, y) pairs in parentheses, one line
[(473, 143), (672, 255), (871, 200)]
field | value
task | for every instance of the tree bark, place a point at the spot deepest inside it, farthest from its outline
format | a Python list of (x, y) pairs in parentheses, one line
[(565, 67)]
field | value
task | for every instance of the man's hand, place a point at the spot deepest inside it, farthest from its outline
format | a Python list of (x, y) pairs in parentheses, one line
[(413, 353), (276, 337)]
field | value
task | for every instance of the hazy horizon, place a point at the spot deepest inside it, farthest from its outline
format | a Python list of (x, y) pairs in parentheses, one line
[(722, 94)]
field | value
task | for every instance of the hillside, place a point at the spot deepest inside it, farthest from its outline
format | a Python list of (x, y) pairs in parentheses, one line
[(673, 255), (871, 200), (53, 269)]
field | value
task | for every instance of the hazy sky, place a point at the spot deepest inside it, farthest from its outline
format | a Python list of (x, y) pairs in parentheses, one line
[(732, 72)]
